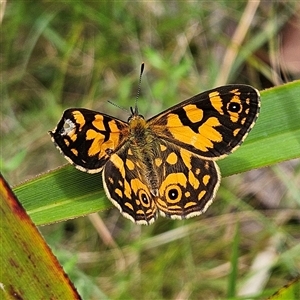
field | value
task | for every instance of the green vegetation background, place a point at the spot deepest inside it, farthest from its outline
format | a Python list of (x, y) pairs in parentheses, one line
[(81, 54)]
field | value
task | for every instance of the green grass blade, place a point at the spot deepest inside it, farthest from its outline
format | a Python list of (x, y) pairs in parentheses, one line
[(61, 194), (233, 276), (68, 193)]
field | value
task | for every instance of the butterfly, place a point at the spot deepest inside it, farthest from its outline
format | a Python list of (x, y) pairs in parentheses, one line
[(165, 165)]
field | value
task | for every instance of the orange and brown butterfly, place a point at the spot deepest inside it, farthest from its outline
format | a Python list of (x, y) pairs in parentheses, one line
[(165, 164)]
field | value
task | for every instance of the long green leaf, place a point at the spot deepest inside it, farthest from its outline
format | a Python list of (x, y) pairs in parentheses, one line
[(29, 270), (291, 291), (68, 193)]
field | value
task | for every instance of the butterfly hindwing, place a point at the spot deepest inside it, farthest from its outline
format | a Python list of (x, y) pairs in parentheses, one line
[(183, 184), (187, 183), (127, 187)]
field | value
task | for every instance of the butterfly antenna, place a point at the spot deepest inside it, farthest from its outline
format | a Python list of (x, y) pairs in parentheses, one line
[(136, 112), (116, 105)]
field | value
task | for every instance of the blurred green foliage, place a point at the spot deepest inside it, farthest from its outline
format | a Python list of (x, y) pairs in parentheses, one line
[(56, 55)]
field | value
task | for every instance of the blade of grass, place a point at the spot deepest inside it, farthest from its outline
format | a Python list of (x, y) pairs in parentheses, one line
[(62, 194), (232, 278), (68, 193)]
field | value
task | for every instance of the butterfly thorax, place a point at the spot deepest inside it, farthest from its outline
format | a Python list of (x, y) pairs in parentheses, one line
[(144, 149)]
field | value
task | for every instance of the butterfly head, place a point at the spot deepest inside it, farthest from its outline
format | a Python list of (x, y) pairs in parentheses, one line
[(135, 119)]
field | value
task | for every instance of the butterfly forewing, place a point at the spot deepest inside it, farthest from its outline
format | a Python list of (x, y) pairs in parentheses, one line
[(211, 124), (87, 138)]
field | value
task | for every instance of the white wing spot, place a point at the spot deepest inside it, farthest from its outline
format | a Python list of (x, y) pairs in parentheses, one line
[(68, 127)]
